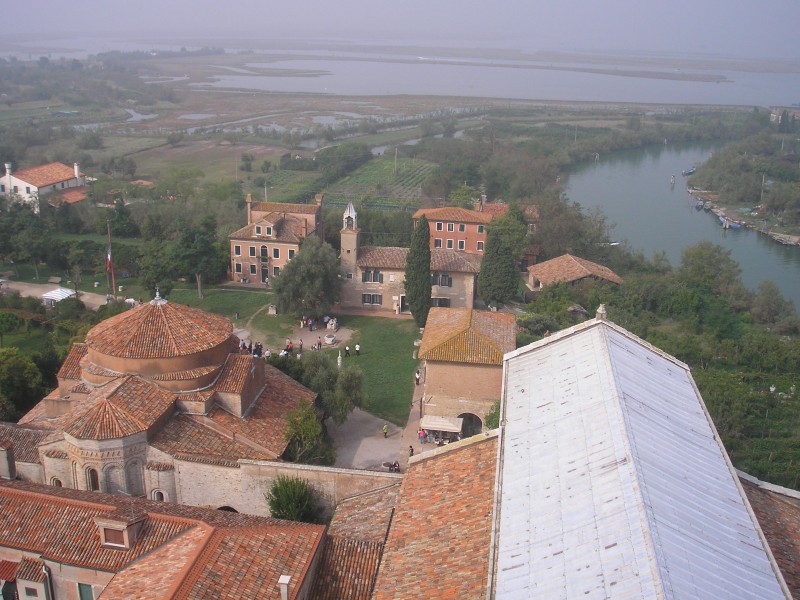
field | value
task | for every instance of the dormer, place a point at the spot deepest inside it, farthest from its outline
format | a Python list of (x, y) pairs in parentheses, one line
[(120, 529), (264, 230)]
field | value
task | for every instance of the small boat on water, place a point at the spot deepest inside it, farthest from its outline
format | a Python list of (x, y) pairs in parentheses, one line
[(689, 171), (699, 205), (672, 180), (707, 205), (728, 223)]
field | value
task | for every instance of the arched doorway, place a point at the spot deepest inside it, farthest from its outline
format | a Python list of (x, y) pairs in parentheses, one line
[(471, 425)]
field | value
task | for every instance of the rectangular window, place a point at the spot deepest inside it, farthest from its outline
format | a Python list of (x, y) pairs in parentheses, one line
[(371, 299), (480, 228), (291, 254), (253, 270), (440, 302), (449, 244), (62, 185), (269, 231), (237, 250), (114, 536), (3, 187), (31, 592), (462, 228), (439, 226), (437, 243), (16, 189), (85, 591), (276, 271), (258, 229), (27, 189), (377, 299), (451, 227), (349, 275), (253, 251), (480, 246), (462, 244), (238, 268), (276, 253)]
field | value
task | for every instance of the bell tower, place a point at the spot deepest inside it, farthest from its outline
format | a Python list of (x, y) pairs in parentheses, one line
[(349, 239)]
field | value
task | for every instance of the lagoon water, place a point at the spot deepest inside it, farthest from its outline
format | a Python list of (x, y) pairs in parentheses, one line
[(633, 190)]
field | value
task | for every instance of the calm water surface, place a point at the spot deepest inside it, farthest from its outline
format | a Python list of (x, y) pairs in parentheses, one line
[(633, 190)]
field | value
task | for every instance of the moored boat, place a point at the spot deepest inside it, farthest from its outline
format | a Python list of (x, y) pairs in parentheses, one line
[(728, 223), (689, 171)]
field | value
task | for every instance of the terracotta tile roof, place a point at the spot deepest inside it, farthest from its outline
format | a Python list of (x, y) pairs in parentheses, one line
[(185, 552), (71, 368), (282, 207), (570, 268), (24, 440), (93, 369), (531, 213), (347, 569), (195, 396), (365, 516), (81, 388), (454, 262), (247, 562), (30, 569), (122, 408), (159, 329), (234, 373), (265, 424), (8, 570), (496, 209), (288, 230), (440, 535), (56, 454), (471, 336), (159, 466), (71, 195), (778, 515), (394, 258), (454, 214), (48, 174), (186, 438), (186, 375)]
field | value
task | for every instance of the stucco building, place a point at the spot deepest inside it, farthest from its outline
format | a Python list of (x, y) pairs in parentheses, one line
[(462, 352), (374, 275), (272, 237), (30, 184), (455, 228)]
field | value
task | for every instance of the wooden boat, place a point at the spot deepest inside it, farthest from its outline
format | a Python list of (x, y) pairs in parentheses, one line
[(728, 223)]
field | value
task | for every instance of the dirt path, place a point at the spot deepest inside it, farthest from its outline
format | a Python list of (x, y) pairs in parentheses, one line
[(37, 290)]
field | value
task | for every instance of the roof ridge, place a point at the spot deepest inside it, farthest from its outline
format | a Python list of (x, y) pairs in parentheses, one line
[(54, 498)]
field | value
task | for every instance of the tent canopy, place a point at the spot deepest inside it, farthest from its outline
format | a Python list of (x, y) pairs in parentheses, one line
[(449, 424), (58, 294)]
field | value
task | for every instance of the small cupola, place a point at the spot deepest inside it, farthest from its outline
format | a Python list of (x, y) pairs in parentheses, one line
[(120, 529)]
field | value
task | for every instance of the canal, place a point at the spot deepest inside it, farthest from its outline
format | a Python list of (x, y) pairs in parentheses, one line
[(633, 190)]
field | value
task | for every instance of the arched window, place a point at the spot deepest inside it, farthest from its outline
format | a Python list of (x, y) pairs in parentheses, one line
[(92, 480), (55, 481), (264, 252), (158, 496)]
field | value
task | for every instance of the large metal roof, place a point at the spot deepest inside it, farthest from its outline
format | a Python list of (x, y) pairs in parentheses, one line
[(613, 482)]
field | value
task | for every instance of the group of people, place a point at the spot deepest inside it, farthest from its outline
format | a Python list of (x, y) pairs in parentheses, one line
[(256, 349)]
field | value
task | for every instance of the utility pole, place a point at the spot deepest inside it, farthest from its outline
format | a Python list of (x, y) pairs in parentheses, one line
[(395, 160)]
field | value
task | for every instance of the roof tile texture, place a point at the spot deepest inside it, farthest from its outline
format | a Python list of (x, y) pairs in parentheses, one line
[(451, 261), (455, 214), (570, 268), (71, 368), (159, 329), (25, 441), (438, 544), (468, 336), (46, 174)]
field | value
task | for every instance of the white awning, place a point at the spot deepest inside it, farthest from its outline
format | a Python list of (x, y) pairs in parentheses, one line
[(449, 424), (58, 294)]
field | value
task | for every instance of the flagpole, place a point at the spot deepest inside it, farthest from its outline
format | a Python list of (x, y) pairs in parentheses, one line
[(110, 264)]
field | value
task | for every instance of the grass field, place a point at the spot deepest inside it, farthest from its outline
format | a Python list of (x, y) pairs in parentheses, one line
[(378, 180)]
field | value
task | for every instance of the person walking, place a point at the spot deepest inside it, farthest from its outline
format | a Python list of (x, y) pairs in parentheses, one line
[(410, 451), (416, 376), (421, 435), (385, 430), (358, 350), (301, 345), (346, 351)]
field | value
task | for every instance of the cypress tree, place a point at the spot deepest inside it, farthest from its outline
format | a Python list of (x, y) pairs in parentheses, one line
[(498, 279), (418, 273)]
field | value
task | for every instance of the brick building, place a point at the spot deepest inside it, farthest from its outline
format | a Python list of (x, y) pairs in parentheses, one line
[(272, 237)]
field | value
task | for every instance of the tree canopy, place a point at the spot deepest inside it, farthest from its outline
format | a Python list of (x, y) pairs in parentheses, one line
[(499, 278), (293, 499), (310, 284), (418, 273)]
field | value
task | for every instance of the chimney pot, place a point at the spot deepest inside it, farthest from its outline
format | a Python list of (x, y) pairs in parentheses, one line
[(283, 584), (601, 312)]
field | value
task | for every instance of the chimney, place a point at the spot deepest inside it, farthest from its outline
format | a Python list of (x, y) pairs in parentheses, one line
[(601, 313), (77, 168), (8, 466), (318, 199), (283, 584), (8, 170), (248, 200)]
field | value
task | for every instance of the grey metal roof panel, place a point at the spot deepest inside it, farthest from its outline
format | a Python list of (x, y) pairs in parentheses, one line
[(614, 483)]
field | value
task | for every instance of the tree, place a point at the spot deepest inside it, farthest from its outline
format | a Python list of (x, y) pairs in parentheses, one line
[(310, 284), (513, 230), (293, 499), (712, 265), (492, 418), (769, 305), (499, 279), (8, 324), (418, 273), (305, 438), (195, 251), (20, 379), (156, 270)]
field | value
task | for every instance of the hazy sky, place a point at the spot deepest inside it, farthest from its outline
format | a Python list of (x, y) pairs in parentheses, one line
[(745, 28)]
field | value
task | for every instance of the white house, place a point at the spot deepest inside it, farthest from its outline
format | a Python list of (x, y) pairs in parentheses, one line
[(29, 184)]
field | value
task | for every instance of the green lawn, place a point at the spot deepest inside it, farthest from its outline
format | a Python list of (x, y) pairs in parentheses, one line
[(387, 347)]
